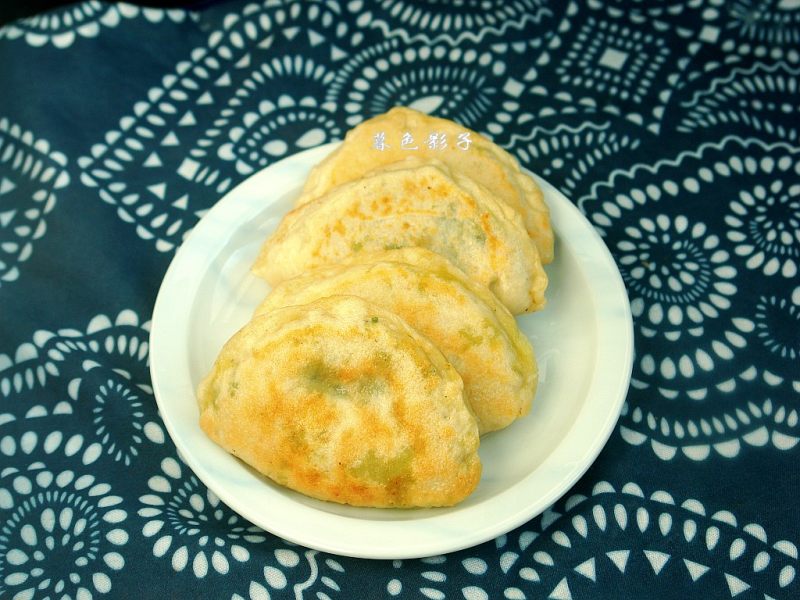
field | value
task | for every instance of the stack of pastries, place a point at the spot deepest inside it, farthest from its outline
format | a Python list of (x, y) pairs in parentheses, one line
[(387, 345)]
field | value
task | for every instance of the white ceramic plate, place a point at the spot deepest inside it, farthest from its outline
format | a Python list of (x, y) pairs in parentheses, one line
[(583, 342)]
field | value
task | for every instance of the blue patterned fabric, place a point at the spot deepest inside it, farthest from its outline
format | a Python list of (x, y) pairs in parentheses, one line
[(673, 126)]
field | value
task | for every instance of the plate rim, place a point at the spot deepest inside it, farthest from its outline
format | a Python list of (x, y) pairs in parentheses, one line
[(562, 211)]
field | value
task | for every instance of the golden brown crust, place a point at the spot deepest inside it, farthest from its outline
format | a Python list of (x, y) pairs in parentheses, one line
[(484, 161), (412, 203), (342, 401), (474, 331)]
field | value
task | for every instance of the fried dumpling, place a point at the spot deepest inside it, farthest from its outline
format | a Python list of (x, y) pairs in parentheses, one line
[(472, 154), (474, 331), (343, 401), (412, 203)]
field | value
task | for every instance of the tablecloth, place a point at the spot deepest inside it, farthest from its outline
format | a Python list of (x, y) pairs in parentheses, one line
[(672, 125)]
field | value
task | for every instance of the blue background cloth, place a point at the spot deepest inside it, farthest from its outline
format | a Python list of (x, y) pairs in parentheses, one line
[(673, 126)]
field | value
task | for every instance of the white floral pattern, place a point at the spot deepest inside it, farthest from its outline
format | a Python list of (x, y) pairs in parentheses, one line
[(618, 56), (765, 226), (35, 174), (775, 22), (62, 27), (430, 78), (432, 23), (674, 541), (745, 95), (120, 424), (700, 337), (226, 108), (285, 565), (672, 125), (771, 315), (566, 154), (62, 535), (190, 525), (86, 364), (680, 285), (677, 270), (275, 129)]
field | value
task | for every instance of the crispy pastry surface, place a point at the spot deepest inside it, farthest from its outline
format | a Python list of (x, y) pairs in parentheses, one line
[(474, 331), (343, 401), (481, 159), (417, 202)]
